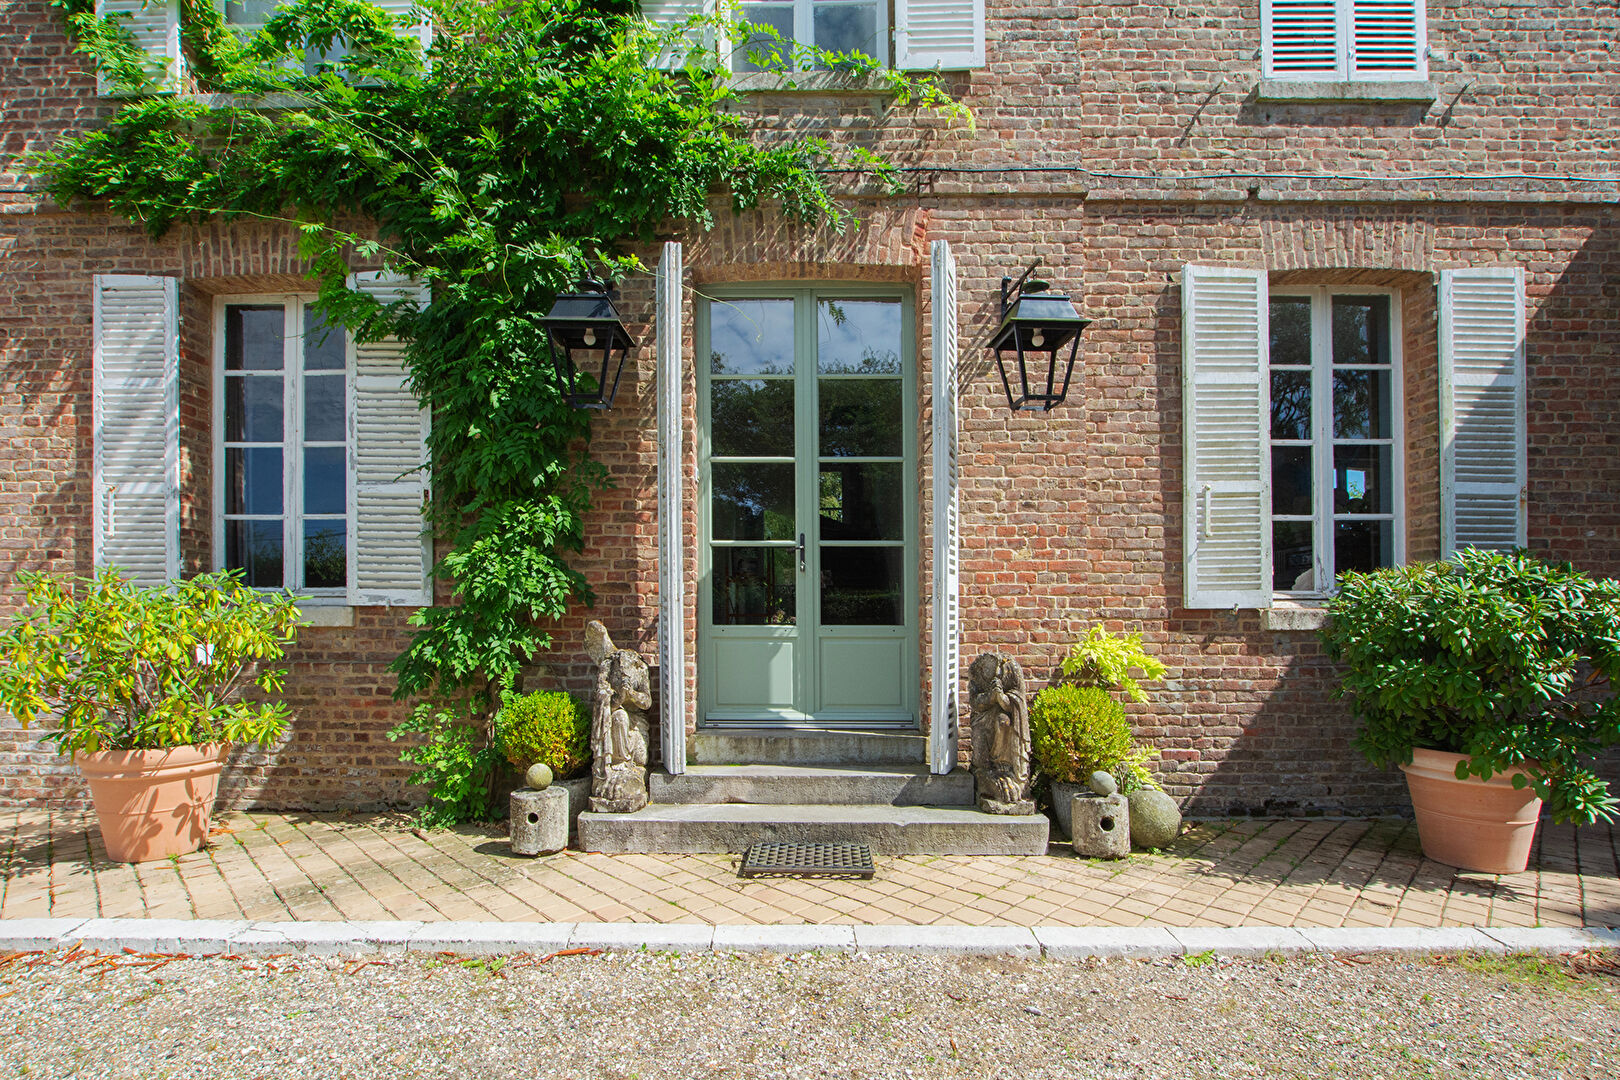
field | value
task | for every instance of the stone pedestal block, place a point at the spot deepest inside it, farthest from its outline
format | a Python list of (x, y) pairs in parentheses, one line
[(1101, 826), (539, 820)]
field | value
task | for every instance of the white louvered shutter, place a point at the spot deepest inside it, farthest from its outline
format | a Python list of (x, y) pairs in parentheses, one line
[(945, 34), (666, 14), (135, 406), (945, 709), (390, 551), (1482, 409), (155, 25), (420, 27), (1387, 39), (1225, 339), (671, 514), (1301, 39)]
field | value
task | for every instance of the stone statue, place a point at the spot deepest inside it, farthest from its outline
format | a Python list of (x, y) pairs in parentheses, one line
[(618, 725), (1000, 735)]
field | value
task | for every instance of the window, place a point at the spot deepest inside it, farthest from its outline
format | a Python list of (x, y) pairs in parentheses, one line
[(1344, 40), (283, 403), (835, 25), (1336, 452), (248, 17)]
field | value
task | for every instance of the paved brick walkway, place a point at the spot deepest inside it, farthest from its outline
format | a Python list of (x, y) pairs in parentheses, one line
[(1220, 873)]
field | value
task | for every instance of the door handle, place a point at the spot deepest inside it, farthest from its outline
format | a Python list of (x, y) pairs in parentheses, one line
[(801, 553)]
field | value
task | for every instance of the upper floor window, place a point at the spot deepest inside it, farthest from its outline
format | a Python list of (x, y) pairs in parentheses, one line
[(1344, 40), (837, 26)]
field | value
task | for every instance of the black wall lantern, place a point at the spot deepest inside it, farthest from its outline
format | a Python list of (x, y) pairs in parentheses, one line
[(1035, 326), (583, 325)]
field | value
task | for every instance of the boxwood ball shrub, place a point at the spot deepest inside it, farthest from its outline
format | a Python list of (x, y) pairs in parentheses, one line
[(550, 727), (1078, 730)]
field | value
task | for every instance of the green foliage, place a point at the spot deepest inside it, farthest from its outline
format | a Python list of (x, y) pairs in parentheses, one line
[(551, 727), (122, 667), (1101, 659), (457, 760), (1503, 658), (1078, 730)]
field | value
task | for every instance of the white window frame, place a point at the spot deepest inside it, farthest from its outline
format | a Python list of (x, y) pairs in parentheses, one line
[(1322, 437), (1345, 68), (292, 442), (804, 28)]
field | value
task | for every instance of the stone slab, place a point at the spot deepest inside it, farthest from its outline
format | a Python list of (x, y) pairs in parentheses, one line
[(796, 938), (1400, 939), (949, 940), (491, 938), (786, 746), (1107, 942), (196, 937), (897, 785), (312, 938), (1551, 939), (655, 937), (30, 934), (1242, 940), (392, 936)]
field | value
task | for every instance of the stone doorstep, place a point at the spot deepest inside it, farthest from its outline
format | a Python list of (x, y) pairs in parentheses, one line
[(798, 746), (897, 785)]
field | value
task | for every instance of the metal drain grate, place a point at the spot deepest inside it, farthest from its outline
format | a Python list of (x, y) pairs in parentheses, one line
[(807, 860)]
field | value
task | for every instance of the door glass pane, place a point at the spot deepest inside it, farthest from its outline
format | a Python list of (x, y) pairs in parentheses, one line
[(778, 17), (754, 586), (1361, 400), (323, 408), (253, 408), (1290, 405), (1361, 329), (862, 501), (1290, 331), (751, 337), (1293, 556), (253, 480), (1291, 480), (325, 555), (861, 417), (858, 337), (1363, 545), (751, 417), (862, 586), (1362, 480), (752, 502), (324, 482), (253, 337), (255, 548), (846, 28), (324, 349)]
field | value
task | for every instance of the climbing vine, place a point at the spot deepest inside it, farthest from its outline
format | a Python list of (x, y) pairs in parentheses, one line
[(533, 144)]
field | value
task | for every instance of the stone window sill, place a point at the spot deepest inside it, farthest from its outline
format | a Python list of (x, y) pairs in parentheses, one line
[(1405, 91), (808, 82), (1294, 615), (325, 614)]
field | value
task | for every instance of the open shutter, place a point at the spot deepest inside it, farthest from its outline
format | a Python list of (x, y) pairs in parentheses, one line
[(135, 411), (945, 34), (671, 515), (390, 551), (1387, 40), (1482, 408), (155, 25), (666, 14), (1226, 500), (946, 681), (420, 28), (1300, 39)]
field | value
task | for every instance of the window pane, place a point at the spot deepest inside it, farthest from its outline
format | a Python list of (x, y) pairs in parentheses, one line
[(326, 557), (1361, 329), (778, 17), (752, 502), (1363, 480), (1293, 556), (862, 501), (255, 548), (751, 337), (253, 408), (325, 485), (250, 12), (1290, 331), (751, 417), (861, 417), (858, 337), (1291, 481), (253, 337), (754, 587), (1363, 545), (1361, 402), (862, 586), (324, 349), (1290, 405), (846, 28), (253, 480), (323, 408)]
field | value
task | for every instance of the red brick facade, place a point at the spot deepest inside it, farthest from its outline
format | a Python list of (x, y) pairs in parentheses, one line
[(1157, 153)]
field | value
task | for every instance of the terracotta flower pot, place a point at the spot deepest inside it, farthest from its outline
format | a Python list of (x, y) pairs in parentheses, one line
[(153, 803), (1474, 824)]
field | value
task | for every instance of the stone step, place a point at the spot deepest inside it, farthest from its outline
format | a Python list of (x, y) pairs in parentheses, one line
[(895, 785), (890, 830), (806, 746)]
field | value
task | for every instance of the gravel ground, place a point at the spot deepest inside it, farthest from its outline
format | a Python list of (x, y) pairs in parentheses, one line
[(618, 1016)]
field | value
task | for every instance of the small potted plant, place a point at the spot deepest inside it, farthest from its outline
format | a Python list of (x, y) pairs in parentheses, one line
[(547, 735), (1489, 680), (1079, 730), (143, 687)]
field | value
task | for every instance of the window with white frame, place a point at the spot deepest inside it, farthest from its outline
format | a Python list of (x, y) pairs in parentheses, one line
[(839, 26), (282, 417), (1336, 451), (1344, 40)]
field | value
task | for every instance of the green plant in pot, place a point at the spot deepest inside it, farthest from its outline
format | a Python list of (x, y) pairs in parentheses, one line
[(1489, 680), (547, 735), (144, 687)]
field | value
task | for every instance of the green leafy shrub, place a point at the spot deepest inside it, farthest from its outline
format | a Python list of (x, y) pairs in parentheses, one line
[(1101, 659), (125, 667), (1503, 658), (1079, 730), (549, 726), (458, 761)]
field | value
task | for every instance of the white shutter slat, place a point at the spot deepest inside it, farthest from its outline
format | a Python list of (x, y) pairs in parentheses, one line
[(944, 34), (1227, 469), (945, 709), (155, 25), (1300, 38), (671, 515), (420, 27), (1387, 39), (667, 14), (1483, 468), (135, 463), (390, 551)]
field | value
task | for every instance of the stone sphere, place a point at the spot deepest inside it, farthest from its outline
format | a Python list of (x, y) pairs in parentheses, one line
[(538, 776), (1103, 784), (1155, 818)]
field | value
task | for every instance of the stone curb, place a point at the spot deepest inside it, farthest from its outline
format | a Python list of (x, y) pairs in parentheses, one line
[(201, 937)]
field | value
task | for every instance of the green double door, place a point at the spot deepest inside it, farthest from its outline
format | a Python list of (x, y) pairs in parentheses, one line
[(807, 452)]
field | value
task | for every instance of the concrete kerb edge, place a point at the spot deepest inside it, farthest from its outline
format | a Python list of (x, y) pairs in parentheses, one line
[(202, 937)]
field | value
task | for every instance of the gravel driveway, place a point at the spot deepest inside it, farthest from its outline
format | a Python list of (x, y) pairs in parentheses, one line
[(618, 1016)]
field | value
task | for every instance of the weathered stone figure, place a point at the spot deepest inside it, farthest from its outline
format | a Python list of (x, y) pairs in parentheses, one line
[(618, 725), (1000, 735)]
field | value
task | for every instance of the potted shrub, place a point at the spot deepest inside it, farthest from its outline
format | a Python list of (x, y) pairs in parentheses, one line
[(1079, 730), (1488, 680), (143, 687), (549, 728)]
